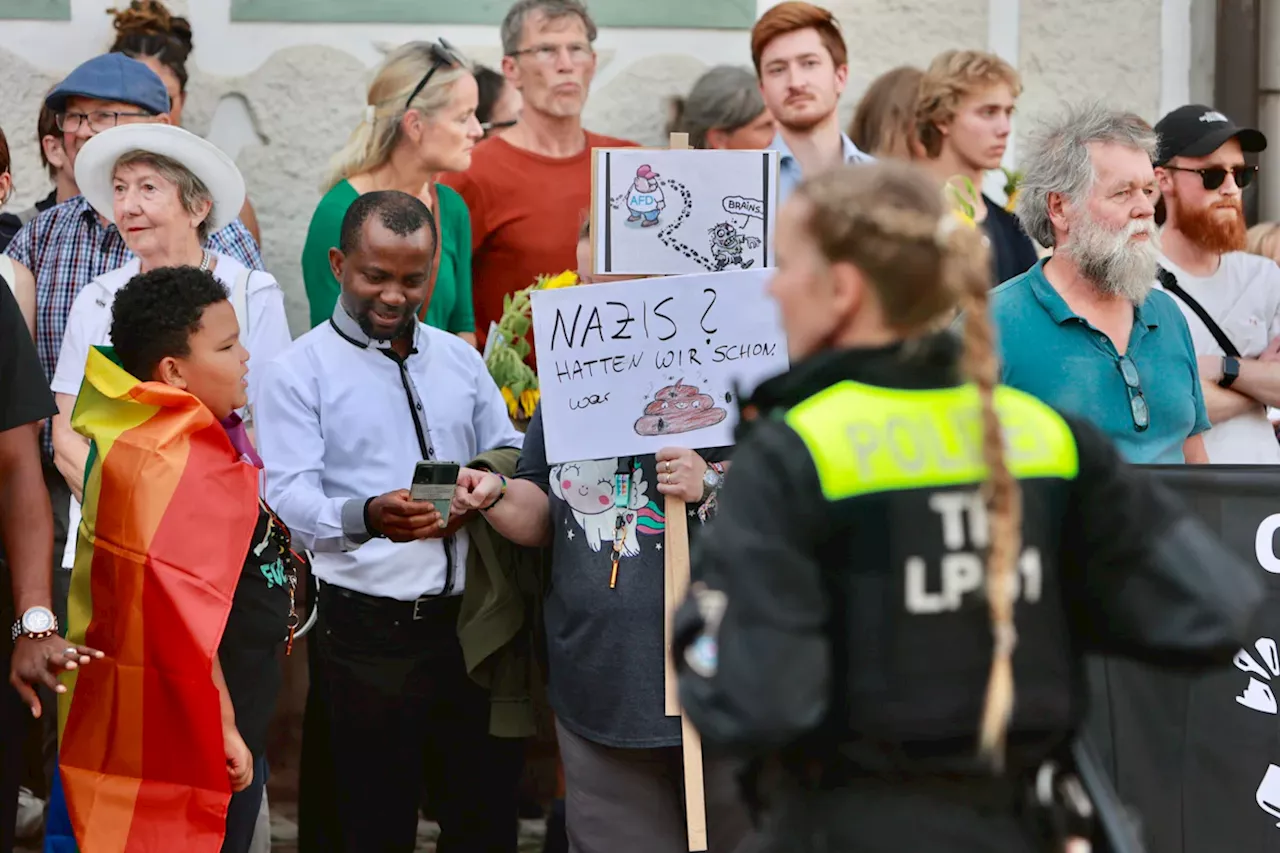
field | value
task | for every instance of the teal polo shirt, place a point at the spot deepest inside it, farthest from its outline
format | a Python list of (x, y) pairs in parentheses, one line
[(1056, 355)]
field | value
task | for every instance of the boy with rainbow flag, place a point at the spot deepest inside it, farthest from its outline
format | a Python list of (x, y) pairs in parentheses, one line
[(184, 578)]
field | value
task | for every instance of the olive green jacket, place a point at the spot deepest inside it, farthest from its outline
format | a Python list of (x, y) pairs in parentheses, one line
[(500, 623)]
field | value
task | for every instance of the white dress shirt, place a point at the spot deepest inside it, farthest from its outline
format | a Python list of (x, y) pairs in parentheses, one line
[(89, 325), (336, 427)]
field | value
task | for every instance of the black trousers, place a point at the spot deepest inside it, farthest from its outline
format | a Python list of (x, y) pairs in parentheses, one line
[(883, 820), (403, 714), (15, 718)]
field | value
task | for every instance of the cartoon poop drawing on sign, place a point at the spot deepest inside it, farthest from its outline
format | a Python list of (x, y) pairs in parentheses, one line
[(679, 408)]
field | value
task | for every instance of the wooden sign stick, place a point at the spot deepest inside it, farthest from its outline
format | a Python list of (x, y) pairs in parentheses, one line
[(676, 586)]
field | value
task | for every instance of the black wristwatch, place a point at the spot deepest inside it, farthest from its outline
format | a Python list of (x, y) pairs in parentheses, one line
[(1230, 370)]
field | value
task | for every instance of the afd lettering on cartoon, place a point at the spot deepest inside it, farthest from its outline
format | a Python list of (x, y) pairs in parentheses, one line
[(965, 534)]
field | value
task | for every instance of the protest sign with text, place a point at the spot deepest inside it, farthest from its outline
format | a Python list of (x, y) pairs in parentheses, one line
[(630, 367)]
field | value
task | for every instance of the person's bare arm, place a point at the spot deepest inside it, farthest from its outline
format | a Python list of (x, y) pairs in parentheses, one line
[(239, 759), (249, 218), (26, 528), (1193, 451), (469, 337), (1259, 379), (523, 515), (1223, 404), (24, 290), (26, 518), (70, 448)]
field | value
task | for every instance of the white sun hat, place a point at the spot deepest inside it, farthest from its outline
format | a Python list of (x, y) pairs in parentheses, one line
[(96, 163)]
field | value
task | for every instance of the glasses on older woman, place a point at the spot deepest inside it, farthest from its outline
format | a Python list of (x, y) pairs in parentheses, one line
[(443, 55)]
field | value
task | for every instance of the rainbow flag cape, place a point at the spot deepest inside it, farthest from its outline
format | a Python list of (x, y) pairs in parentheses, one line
[(169, 511)]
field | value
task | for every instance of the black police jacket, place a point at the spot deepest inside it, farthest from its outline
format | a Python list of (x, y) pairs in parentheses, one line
[(838, 595)]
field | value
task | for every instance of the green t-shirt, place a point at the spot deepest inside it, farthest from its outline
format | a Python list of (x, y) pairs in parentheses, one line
[(450, 307)]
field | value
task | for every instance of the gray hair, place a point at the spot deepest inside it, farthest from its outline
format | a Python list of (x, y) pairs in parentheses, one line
[(1058, 161), (725, 98), (191, 190), (513, 24)]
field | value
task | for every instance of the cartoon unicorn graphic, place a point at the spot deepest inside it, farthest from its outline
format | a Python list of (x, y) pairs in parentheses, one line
[(587, 487)]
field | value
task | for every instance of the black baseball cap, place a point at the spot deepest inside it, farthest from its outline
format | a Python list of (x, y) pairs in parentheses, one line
[(1196, 130)]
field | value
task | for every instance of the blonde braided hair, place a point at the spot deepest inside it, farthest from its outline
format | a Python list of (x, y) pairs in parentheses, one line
[(890, 221)]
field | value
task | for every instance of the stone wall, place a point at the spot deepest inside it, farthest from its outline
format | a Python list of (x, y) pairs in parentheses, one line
[(282, 98)]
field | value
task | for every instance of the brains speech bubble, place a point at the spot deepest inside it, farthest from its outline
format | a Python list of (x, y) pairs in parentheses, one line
[(740, 206)]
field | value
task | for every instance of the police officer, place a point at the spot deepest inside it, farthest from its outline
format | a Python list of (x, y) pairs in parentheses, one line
[(840, 633)]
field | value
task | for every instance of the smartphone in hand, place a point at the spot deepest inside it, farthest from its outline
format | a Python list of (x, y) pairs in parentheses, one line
[(435, 482)]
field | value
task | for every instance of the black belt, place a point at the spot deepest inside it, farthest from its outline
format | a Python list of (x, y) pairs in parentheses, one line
[(421, 608)]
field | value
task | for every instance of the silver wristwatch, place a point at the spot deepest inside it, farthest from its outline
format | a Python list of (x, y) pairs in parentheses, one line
[(36, 623), (711, 481)]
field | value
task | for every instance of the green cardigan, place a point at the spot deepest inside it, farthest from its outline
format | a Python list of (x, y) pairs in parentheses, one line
[(450, 307)]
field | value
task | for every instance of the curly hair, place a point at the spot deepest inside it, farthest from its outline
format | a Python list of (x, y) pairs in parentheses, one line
[(148, 29), (157, 312)]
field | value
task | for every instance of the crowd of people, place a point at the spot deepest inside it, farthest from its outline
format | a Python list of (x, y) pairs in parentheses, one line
[(1114, 307)]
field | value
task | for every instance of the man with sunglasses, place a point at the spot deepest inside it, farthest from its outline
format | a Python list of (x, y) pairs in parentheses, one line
[(1231, 299)]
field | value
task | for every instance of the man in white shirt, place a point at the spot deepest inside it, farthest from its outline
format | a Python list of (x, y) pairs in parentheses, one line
[(343, 417), (1231, 299), (803, 66)]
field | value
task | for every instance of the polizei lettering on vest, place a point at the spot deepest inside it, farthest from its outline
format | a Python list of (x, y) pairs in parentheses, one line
[(963, 516)]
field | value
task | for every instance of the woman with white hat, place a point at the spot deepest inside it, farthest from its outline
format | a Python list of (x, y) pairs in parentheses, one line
[(166, 190)]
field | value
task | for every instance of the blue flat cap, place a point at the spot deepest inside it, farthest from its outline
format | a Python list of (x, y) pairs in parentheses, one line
[(112, 77)]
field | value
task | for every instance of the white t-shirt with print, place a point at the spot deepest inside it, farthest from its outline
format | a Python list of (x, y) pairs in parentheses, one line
[(89, 325), (1243, 297)]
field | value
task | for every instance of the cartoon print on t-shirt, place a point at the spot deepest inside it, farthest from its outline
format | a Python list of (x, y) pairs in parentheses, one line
[(587, 487)]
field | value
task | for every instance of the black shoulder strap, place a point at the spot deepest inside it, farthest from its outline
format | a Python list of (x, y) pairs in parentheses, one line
[(1170, 283)]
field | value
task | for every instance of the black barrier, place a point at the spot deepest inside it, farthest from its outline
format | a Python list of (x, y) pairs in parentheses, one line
[(1199, 756)]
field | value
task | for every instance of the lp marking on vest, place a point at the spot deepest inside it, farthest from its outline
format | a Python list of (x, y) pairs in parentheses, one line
[(964, 525)]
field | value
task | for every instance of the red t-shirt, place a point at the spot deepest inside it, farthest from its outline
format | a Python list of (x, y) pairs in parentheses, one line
[(526, 210)]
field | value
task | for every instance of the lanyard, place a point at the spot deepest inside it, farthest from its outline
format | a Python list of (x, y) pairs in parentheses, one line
[(418, 413)]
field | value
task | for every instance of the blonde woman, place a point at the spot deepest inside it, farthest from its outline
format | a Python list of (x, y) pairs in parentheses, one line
[(1264, 240), (841, 627), (419, 122)]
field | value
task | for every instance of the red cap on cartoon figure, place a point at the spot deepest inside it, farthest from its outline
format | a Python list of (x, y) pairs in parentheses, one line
[(646, 172)]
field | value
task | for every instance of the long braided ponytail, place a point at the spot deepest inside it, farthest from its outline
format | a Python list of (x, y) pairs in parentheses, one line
[(890, 221)]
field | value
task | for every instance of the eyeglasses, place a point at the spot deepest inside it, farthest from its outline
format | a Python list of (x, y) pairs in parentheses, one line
[(1214, 177), (443, 55), (1137, 403), (97, 121), (547, 54)]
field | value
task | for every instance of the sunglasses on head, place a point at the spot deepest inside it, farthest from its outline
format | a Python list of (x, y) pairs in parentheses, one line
[(1216, 176), (443, 55)]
